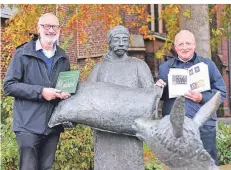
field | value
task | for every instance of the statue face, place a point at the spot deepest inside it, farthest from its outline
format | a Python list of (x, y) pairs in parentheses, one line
[(119, 44)]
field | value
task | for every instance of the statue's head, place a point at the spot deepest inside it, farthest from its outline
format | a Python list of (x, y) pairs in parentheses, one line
[(118, 40)]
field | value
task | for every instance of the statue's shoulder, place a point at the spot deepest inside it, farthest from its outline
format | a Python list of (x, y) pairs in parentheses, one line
[(98, 64), (137, 61)]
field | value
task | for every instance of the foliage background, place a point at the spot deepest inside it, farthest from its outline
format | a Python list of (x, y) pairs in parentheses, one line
[(75, 149)]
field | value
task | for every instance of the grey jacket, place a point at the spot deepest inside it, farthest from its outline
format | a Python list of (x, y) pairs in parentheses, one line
[(25, 79)]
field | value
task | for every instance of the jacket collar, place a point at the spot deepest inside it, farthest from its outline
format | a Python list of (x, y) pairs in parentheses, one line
[(29, 50), (174, 62)]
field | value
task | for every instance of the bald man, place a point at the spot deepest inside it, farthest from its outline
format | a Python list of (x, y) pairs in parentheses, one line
[(185, 46), (30, 79)]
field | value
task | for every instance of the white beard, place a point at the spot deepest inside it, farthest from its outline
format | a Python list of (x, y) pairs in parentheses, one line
[(50, 40)]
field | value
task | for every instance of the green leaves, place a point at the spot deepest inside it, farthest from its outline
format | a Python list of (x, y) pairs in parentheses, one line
[(9, 150), (223, 143), (217, 32), (187, 13), (170, 14), (75, 149)]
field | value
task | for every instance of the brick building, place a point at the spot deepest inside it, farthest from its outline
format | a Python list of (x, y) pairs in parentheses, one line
[(6, 13), (144, 49)]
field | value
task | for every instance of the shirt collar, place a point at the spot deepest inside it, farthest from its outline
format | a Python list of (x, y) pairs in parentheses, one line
[(38, 46), (183, 60), (173, 63)]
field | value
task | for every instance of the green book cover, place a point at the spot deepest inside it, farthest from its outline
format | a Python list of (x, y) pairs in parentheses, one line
[(67, 81)]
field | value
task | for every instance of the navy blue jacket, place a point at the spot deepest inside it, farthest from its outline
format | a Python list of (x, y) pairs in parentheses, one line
[(216, 81), (25, 79)]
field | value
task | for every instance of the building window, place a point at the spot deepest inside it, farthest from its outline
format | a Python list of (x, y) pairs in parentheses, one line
[(156, 18), (157, 25)]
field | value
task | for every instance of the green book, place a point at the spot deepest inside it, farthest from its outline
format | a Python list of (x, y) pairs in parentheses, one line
[(67, 81)]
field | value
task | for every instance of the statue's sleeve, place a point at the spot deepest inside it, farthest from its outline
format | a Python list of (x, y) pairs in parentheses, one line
[(94, 74), (145, 75)]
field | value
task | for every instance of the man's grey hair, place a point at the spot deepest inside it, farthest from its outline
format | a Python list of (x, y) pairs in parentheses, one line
[(44, 15), (120, 29)]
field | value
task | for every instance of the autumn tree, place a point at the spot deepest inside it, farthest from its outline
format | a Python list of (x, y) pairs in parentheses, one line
[(196, 20), (73, 18)]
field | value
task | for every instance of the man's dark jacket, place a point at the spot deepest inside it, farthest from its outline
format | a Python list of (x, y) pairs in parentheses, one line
[(216, 81), (25, 79)]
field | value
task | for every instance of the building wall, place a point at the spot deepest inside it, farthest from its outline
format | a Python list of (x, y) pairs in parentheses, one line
[(150, 59), (224, 69), (222, 61), (71, 49), (3, 53), (96, 42)]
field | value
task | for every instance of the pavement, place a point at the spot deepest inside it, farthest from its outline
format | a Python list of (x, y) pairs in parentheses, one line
[(226, 120), (225, 167)]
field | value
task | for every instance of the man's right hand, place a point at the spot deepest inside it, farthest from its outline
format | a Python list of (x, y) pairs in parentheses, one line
[(160, 83), (50, 94)]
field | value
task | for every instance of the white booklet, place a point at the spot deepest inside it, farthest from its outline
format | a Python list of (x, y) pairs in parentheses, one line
[(194, 78)]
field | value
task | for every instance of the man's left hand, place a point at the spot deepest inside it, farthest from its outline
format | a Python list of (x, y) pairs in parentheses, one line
[(194, 96)]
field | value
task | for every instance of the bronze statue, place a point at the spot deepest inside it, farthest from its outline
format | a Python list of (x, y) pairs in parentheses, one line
[(119, 90), (114, 151)]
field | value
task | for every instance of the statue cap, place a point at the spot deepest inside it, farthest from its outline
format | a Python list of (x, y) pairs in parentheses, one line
[(120, 29)]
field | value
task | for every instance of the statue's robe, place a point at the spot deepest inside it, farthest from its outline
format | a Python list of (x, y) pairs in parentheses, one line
[(114, 151)]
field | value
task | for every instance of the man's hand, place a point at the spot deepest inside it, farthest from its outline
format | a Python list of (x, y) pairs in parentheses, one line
[(64, 95), (160, 83), (50, 94), (194, 96)]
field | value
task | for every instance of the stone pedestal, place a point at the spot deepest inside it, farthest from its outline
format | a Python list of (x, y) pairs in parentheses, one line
[(117, 152)]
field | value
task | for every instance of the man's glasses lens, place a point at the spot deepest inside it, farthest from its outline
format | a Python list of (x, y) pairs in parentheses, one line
[(47, 27)]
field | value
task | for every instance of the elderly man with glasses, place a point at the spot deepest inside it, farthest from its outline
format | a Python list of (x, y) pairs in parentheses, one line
[(185, 46), (30, 79)]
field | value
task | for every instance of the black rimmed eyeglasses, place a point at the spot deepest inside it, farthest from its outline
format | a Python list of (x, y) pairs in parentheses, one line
[(48, 26)]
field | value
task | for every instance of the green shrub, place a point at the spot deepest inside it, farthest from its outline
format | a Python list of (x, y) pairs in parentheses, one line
[(75, 149), (6, 108), (9, 149), (151, 162), (224, 143)]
